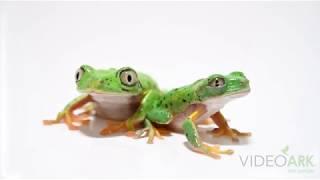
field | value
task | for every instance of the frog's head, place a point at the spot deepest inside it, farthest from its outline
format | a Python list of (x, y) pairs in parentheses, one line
[(230, 86), (123, 80)]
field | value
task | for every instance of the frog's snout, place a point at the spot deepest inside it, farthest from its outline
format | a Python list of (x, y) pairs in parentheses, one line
[(238, 74)]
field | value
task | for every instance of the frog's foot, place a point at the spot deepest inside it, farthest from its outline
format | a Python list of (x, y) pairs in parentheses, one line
[(206, 122), (71, 119), (63, 116), (149, 131), (113, 127), (58, 120), (230, 132), (212, 151), (82, 119)]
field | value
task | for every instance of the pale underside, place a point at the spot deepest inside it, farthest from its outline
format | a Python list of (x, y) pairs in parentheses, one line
[(114, 106), (211, 106), (120, 107)]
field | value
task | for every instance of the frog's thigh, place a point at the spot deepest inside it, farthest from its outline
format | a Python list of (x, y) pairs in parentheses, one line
[(159, 116)]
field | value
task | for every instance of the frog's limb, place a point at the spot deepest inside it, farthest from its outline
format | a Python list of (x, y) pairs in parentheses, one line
[(224, 129), (129, 124), (197, 145), (206, 122), (113, 127), (158, 116), (67, 113), (149, 131)]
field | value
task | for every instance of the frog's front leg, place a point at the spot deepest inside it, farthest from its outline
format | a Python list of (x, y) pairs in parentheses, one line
[(193, 137), (224, 129), (68, 112), (125, 125), (149, 131)]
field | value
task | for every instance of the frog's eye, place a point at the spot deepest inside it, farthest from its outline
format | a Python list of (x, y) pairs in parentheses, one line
[(128, 77), (217, 82), (79, 73)]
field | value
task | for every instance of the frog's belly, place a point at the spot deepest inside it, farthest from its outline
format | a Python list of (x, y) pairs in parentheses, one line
[(211, 107), (114, 106)]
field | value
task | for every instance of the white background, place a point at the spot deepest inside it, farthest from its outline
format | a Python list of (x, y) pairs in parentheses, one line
[(277, 45)]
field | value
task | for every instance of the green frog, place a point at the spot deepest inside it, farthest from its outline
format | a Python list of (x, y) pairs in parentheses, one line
[(113, 94), (182, 109)]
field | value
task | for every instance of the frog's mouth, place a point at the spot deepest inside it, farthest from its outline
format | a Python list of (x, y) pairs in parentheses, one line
[(237, 94), (112, 94)]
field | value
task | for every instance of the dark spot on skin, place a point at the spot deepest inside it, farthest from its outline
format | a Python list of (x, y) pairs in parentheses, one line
[(184, 100), (166, 105)]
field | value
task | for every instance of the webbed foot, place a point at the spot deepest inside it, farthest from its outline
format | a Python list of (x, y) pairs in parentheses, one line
[(71, 119), (229, 132), (213, 151), (149, 131), (224, 129)]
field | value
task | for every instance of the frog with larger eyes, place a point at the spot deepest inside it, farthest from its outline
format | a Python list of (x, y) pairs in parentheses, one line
[(113, 94), (182, 109)]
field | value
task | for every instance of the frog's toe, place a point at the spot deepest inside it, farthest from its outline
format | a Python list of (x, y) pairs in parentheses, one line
[(149, 132), (50, 122), (241, 133), (212, 151), (218, 132), (153, 132), (233, 133)]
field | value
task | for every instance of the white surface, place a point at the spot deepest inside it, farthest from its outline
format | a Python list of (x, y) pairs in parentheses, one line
[(275, 44)]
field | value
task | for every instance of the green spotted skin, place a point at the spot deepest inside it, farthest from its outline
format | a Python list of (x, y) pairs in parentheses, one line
[(191, 133), (160, 108), (177, 100)]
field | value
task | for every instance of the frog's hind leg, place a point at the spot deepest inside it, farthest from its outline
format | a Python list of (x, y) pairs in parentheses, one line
[(113, 127), (224, 129), (206, 122), (197, 145)]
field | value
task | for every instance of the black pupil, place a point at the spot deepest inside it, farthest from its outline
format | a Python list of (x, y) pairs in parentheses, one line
[(77, 75), (129, 78), (217, 83)]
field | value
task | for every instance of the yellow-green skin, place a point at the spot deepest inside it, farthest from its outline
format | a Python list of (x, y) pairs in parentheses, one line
[(108, 81), (159, 107)]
